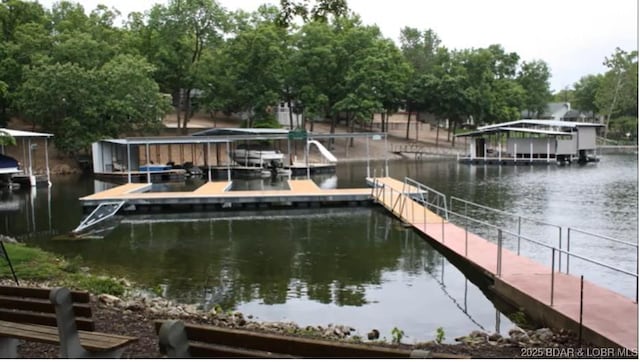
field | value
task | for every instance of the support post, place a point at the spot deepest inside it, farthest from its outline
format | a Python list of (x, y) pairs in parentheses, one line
[(548, 151), (499, 258), (128, 162), (531, 151), (519, 226), (46, 158), (208, 156), (289, 154), (466, 239), (581, 308), (559, 249), (228, 162), (515, 153), (553, 262), (148, 165), (386, 155), (306, 159), (368, 166), (569, 248)]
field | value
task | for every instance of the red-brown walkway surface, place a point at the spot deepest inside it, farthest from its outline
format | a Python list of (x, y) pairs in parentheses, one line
[(608, 314)]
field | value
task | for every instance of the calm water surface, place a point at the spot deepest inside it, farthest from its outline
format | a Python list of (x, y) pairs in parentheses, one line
[(353, 266)]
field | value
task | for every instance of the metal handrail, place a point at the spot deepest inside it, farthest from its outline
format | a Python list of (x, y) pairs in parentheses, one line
[(501, 212), (569, 229), (501, 231), (411, 182)]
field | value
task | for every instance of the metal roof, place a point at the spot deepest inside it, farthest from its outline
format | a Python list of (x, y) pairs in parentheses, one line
[(542, 123), (18, 133), (538, 126), (231, 138), (240, 131)]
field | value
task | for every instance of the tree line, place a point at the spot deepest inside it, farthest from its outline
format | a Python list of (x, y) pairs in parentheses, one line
[(83, 78)]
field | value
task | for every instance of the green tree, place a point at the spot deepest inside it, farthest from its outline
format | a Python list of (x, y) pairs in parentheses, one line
[(585, 91), (533, 77), (174, 39), (250, 74), (419, 49), (617, 95), (320, 11)]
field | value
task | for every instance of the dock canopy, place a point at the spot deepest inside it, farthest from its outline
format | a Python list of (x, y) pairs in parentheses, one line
[(537, 126), (241, 131)]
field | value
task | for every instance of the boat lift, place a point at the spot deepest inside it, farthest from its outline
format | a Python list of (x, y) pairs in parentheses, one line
[(102, 212)]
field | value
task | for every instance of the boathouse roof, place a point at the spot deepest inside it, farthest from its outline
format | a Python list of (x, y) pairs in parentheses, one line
[(241, 131), (537, 126), (19, 133)]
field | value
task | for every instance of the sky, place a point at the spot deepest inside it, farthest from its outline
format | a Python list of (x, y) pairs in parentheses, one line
[(572, 36)]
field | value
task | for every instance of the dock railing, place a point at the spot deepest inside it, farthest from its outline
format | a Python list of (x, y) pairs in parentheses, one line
[(519, 220), (398, 198)]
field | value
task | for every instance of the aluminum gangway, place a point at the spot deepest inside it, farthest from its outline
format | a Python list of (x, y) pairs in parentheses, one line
[(102, 212)]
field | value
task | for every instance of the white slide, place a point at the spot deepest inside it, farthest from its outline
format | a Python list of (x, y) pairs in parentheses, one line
[(325, 152)]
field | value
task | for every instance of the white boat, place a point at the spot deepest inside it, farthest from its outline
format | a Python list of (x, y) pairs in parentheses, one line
[(256, 157)]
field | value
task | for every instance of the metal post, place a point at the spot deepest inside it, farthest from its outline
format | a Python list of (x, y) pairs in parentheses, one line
[(548, 151), (581, 308), (228, 162), (569, 248), (531, 151), (128, 162), (519, 228), (306, 158), (441, 218), (386, 154), (424, 214), (559, 249), (368, 165), (46, 157), (485, 152), (209, 163), (466, 239), (148, 166), (553, 265), (289, 154), (499, 261), (30, 169), (515, 152)]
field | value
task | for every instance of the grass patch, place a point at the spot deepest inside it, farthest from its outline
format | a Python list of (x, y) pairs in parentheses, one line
[(35, 264), (32, 263)]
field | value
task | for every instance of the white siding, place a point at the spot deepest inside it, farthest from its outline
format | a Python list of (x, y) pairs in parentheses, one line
[(586, 138), (539, 145), (567, 146)]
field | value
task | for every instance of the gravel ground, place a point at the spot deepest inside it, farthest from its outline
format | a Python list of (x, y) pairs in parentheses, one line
[(140, 324)]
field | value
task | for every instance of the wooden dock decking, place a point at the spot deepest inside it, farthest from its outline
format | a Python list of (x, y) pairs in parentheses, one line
[(608, 317), (219, 194)]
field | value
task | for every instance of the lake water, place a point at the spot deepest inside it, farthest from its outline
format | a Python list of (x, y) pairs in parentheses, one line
[(352, 266)]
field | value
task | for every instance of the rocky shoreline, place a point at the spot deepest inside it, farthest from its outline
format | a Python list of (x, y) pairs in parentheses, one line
[(133, 315)]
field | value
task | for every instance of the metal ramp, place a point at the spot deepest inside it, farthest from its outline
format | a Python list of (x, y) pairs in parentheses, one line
[(102, 212)]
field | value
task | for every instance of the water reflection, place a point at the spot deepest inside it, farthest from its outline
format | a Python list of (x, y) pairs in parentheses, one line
[(349, 266)]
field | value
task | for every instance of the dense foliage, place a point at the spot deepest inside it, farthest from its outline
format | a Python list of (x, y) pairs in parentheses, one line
[(82, 77)]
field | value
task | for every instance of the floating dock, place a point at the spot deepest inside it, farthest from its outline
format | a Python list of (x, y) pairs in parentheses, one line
[(138, 197)]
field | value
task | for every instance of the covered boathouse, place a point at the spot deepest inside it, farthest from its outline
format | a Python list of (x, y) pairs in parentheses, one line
[(531, 141)]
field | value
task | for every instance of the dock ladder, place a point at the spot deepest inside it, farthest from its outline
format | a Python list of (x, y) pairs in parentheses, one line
[(102, 212)]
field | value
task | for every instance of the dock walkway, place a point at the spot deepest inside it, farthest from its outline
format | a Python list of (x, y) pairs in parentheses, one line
[(608, 319), (219, 195)]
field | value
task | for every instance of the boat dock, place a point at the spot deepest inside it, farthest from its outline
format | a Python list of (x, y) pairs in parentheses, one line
[(218, 195), (546, 294)]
